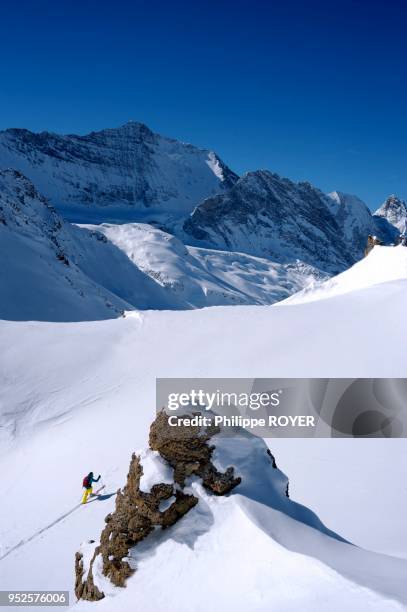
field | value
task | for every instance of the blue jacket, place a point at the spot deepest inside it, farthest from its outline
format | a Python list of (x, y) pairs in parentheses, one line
[(91, 480)]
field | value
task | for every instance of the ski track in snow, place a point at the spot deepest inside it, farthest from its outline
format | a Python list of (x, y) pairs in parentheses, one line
[(41, 531), (47, 527)]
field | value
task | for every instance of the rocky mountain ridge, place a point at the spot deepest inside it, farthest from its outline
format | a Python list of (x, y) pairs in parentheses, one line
[(126, 167), (269, 216)]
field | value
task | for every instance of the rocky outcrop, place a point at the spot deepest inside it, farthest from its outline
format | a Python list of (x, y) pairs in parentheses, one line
[(372, 241), (85, 589), (187, 450), (137, 512)]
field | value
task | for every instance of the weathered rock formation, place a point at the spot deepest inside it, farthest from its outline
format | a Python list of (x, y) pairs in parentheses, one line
[(187, 450), (137, 513), (372, 241)]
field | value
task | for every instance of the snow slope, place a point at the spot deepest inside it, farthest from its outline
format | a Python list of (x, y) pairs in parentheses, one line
[(80, 396), (382, 265), (129, 167), (351, 472), (280, 539)]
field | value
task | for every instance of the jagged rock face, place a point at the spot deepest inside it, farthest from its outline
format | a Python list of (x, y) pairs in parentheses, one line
[(22, 207), (138, 513), (129, 166), (394, 210), (269, 216), (85, 589)]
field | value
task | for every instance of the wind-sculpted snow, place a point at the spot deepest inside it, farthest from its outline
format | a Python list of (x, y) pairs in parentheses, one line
[(267, 216), (129, 167)]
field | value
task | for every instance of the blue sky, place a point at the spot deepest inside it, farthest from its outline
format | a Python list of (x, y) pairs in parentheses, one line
[(312, 90)]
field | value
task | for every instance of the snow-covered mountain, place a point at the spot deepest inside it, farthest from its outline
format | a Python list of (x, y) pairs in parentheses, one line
[(132, 174), (81, 396), (394, 210), (53, 270), (129, 167), (269, 216), (355, 220)]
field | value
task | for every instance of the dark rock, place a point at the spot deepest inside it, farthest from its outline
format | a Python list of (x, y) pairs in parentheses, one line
[(85, 589), (372, 241), (187, 450), (137, 513), (273, 461)]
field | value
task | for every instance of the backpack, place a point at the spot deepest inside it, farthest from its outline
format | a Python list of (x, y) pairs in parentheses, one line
[(86, 482)]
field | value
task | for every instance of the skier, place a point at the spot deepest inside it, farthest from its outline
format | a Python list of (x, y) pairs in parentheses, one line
[(87, 485)]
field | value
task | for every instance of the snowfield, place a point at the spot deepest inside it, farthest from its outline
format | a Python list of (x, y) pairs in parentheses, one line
[(197, 277), (80, 396)]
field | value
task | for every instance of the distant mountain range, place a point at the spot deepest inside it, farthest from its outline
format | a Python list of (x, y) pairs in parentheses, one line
[(254, 239)]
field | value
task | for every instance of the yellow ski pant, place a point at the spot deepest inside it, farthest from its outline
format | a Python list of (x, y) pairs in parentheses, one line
[(86, 494)]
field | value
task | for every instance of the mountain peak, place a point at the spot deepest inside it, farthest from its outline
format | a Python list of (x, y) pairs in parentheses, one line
[(394, 210), (393, 201), (127, 167), (130, 127)]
